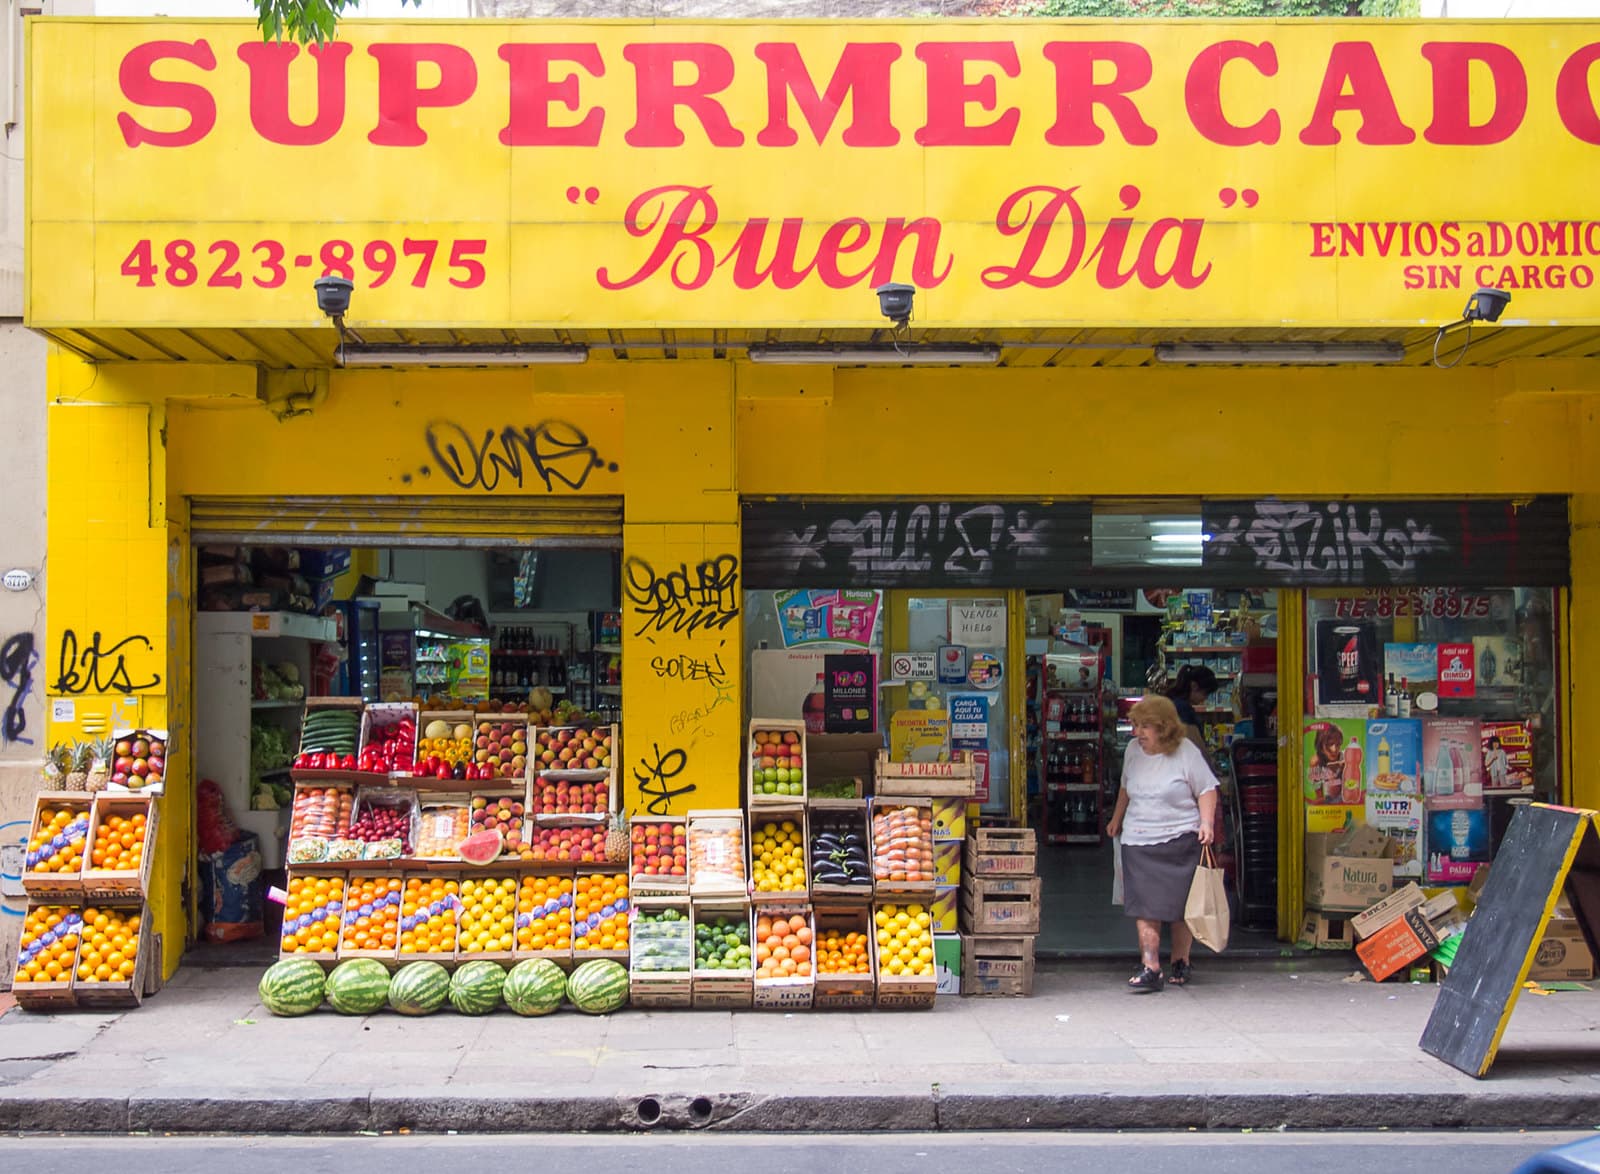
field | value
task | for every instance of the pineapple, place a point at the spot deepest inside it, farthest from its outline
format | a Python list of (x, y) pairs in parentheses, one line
[(617, 840), (78, 773), (101, 751), (57, 764)]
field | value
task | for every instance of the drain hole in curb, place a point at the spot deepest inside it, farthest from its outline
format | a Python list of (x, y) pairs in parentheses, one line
[(700, 1110), (649, 1111)]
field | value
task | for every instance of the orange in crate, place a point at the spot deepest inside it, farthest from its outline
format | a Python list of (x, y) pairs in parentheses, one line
[(119, 844), (58, 840), (49, 944), (372, 914), (428, 909), (110, 948), (783, 947), (600, 912), (544, 913), (843, 953), (312, 914)]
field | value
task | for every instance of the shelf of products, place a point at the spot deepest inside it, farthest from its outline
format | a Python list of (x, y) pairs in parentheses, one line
[(1070, 766)]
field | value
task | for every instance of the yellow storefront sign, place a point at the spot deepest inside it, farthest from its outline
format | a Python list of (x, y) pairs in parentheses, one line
[(1017, 173)]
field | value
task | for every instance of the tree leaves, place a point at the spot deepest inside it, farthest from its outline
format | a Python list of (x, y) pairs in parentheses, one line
[(304, 21)]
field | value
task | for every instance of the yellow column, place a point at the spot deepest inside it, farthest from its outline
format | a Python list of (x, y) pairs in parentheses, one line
[(1583, 654), (682, 596)]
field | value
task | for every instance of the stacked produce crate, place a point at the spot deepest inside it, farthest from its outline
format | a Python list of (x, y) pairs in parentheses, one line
[(999, 911)]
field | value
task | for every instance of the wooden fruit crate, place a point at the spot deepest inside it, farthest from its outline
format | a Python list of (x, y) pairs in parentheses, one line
[(100, 884), (720, 882), (455, 717), (462, 953), (553, 919), (53, 994), (840, 816), (900, 889), (593, 951), (543, 778), (127, 992), (329, 952), (352, 914), (449, 907), (661, 991), (845, 992), (660, 988), (722, 989), (902, 992), (761, 818), (1002, 852), (57, 885), (644, 884), (1000, 905), (997, 965), (958, 777), (789, 993), (758, 798)]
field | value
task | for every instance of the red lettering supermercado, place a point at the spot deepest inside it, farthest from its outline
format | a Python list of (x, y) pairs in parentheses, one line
[(1068, 92)]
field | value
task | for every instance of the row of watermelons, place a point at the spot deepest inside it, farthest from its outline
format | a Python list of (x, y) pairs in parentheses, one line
[(363, 986)]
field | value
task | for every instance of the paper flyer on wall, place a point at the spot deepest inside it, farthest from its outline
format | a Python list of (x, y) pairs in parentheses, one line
[(1332, 817), (1457, 845), (1458, 675), (1411, 678), (1347, 669), (1394, 757), (1452, 762), (1400, 818), (1507, 757), (1499, 661)]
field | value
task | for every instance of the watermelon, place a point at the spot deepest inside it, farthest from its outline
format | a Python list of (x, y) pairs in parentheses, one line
[(535, 987), (358, 986), (481, 847), (292, 987), (475, 987), (598, 987), (419, 988)]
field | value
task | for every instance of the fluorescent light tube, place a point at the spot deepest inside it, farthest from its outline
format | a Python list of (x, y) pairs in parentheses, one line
[(1275, 352), (886, 355), (364, 355), (1194, 540)]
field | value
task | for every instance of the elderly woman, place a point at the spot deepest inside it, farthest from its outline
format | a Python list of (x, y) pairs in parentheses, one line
[(1165, 812)]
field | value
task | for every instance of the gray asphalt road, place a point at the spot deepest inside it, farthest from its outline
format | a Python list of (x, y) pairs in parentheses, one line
[(698, 1153)]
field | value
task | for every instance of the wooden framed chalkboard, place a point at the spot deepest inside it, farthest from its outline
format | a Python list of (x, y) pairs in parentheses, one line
[(1546, 849)]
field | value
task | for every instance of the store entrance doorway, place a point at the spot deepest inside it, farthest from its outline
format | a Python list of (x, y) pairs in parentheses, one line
[(1089, 655)]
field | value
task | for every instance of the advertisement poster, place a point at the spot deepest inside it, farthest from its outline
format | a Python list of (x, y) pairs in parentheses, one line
[(1458, 845), (1348, 672), (980, 785), (1325, 817), (1335, 761), (1072, 670), (985, 671), (784, 684), (952, 666), (919, 735), (827, 617), (1457, 677), (1394, 757), (1507, 757), (1452, 762), (467, 670), (1412, 672), (849, 693), (1400, 818), (969, 721), (1498, 661)]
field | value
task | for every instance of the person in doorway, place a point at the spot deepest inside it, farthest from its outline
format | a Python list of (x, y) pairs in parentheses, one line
[(1165, 811), (1194, 685)]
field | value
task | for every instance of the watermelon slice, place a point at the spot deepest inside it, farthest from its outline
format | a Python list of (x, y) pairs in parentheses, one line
[(482, 848)]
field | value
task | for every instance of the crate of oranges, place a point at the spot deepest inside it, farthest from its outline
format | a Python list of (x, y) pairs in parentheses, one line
[(313, 913), (370, 925), (112, 956), (600, 916), (544, 918), (47, 956), (121, 847), (487, 918), (783, 953), (846, 978), (430, 910), (57, 845)]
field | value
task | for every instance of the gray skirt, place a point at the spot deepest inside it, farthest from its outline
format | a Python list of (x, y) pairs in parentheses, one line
[(1156, 877)]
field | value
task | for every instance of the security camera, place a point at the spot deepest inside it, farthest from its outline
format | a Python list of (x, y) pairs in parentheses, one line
[(1486, 305), (894, 299), (333, 295)]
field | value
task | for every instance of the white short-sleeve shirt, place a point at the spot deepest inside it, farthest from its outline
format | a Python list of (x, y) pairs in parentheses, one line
[(1162, 792)]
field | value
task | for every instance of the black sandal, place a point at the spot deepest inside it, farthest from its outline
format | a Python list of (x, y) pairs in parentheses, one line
[(1146, 982), (1180, 973)]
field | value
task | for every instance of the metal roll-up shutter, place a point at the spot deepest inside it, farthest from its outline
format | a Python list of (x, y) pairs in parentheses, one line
[(409, 521)]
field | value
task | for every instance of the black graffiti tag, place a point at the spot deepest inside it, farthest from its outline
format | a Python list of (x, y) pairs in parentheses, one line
[(99, 670), (683, 601), (555, 452), (654, 779), (684, 667), (17, 661)]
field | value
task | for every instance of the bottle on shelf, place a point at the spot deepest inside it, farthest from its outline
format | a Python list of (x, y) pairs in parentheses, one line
[(814, 708)]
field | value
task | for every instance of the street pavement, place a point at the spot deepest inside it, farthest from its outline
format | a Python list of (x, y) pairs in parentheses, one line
[(1296, 1044)]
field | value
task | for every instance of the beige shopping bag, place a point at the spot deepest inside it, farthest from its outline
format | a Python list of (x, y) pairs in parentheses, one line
[(1206, 912)]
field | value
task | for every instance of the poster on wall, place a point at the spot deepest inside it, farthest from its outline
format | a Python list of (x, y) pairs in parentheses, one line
[(1458, 845), (1335, 761), (919, 735), (1452, 762), (1072, 670), (1507, 757), (827, 617), (1400, 817), (952, 665), (969, 721), (1498, 661), (785, 684), (1348, 670), (1394, 757), (849, 693), (1457, 676), (1411, 678), (1332, 817)]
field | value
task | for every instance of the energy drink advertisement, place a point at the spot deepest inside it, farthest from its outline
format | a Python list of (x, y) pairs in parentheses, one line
[(1348, 667)]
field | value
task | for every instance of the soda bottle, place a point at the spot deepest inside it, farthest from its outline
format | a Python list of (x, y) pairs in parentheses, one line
[(814, 708)]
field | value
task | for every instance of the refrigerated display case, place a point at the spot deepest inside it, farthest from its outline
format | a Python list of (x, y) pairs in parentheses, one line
[(428, 655), (361, 662)]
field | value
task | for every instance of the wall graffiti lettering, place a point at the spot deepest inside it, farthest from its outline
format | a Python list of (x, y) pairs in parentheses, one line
[(684, 667), (555, 453), (683, 600), (655, 779), (17, 662), (97, 669), (692, 718)]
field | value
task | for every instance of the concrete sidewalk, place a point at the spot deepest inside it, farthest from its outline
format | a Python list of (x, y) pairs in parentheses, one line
[(1248, 1045)]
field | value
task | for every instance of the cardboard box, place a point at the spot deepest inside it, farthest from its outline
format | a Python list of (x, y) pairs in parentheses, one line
[(947, 963), (947, 862), (1346, 873), (1563, 954), (831, 757), (950, 819), (946, 908), (1321, 932), (1396, 904), (1396, 945)]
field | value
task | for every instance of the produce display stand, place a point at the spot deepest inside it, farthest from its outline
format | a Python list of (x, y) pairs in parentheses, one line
[(544, 778), (449, 907), (844, 992), (653, 884), (455, 717), (728, 990), (997, 964), (902, 992), (111, 885), (652, 943), (376, 717), (790, 993), (51, 994), (758, 798), (1000, 904), (886, 885), (1001, 852), (543, 922), (319, 915), (959, 777), (55, 886), (769, 820), (590, 953), (716, 854), (838, 817)]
